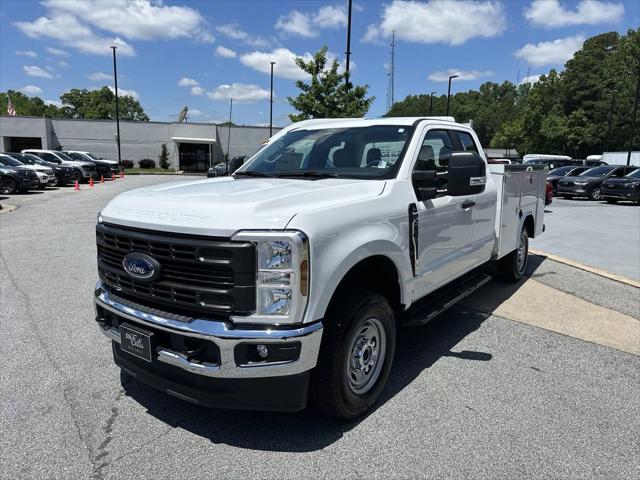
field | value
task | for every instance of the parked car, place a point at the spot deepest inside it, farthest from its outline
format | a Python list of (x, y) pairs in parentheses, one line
[(220, 169), (589, 183), (557, 173), (83, 170), (588, 162), (64, 174), (624, 188), (286, 282), (31, 161), (551, 161), (45, 174), (549, 194), (105, 168), (17, 179)]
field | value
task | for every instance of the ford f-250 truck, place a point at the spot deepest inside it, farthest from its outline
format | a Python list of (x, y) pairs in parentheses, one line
[(285, 282)]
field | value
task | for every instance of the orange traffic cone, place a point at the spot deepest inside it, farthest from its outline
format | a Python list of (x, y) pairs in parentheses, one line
[(113, 176), (101, 178), (77, 186), (91, 182)]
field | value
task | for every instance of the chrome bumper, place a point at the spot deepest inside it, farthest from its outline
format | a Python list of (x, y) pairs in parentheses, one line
[(224, 336)]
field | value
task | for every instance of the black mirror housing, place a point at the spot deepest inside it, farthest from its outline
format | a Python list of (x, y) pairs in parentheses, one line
[(467, 174), (424, 183)]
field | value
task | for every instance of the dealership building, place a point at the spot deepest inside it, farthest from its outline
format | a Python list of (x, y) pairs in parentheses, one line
[(192, 146)]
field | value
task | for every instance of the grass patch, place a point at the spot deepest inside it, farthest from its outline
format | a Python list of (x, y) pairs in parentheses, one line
[(157, 171)]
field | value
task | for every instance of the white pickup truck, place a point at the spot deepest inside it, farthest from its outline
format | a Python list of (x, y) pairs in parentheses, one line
[(285, 282)]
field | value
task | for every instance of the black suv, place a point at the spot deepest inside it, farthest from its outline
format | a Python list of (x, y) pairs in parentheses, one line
[(17, 179), (623, 188), (64, 175), (589, 183)]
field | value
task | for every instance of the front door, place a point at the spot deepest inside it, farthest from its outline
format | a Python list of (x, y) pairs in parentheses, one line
[(445, 223)]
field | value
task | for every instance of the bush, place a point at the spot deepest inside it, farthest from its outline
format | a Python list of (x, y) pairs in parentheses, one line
[(147, 163), (126, 163), (164, 157)]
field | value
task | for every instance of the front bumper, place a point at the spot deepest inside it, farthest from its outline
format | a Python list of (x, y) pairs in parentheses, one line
[(227, 381), (574, 190), (630, 194)]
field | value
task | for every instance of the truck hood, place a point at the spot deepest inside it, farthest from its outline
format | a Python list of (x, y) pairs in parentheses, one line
[(222, 206)]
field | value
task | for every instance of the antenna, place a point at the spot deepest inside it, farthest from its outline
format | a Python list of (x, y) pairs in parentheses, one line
[(518, 78), (391, 74), (182, 117), (528, 74)]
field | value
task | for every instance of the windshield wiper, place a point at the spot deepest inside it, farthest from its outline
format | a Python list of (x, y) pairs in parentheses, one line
[(250, 173), (308, 174)]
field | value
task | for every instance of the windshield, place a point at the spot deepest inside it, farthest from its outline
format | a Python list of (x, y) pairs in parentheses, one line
[(92, 156), (596, 172), (561, 171), (77, 156), (64, 156), (634, 174), (7, 160), (359, 152), (22, 158)]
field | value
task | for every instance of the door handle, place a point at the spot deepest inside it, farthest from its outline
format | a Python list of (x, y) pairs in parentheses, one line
[(468, 204)]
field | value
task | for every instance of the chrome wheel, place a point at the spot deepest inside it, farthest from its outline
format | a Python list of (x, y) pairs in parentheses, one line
[(8, 186), (366, 356), (595, 194), (521, 253)]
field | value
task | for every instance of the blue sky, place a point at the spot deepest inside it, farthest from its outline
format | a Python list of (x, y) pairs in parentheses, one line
[(174, 53)]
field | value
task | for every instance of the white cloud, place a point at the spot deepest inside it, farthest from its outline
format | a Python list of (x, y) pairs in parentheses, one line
[(62, 63), (187, 82), (137, 19), (233, 31), (57, 103), (225, 52), (305, 24), (285, 66), (125, 93), (442, 76), (452, 22), (239, 92), (70, 32), (530, 79), (555, 52), (27, 53), (31, 90), (35, 71), (197, 91), (194, 112), (550, 13), (99, 76), (57, 51)]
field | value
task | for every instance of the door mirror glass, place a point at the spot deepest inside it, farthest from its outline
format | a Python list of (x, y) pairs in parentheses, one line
[(467, 174)]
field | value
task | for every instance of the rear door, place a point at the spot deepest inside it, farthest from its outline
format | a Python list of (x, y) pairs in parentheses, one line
[(445, 226)]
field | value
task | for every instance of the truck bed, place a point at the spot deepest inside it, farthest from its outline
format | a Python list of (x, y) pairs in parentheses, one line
[(521, 192)]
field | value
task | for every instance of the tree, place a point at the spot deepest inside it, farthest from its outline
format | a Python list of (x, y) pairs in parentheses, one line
[(327, 95), (27, 106), (163, 159), (100, 104)]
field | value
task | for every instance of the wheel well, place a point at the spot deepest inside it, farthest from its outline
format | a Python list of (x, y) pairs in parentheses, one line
[(530, 226), (378, 274)]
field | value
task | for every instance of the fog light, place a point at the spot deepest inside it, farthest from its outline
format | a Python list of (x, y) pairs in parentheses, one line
[(263, 351)]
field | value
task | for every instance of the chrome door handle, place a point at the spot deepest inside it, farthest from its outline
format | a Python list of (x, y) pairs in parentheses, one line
[(468, 204)]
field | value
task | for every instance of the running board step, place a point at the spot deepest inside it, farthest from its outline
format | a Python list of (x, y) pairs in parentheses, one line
[(427, 308)]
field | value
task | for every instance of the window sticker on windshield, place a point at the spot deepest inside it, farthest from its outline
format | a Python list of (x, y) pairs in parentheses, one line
[(401, 130)]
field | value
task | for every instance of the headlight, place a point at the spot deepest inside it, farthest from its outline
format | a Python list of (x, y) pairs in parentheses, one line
[(582, 182), (282, 280)]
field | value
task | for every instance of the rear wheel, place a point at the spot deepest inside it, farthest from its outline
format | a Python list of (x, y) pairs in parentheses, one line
[(513, 265), (8, 185), (595, 194), (356, 355)]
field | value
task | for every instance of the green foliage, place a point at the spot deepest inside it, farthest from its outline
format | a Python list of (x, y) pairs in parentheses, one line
[(585, 109), (164, 157), (327, 95), (77, 103)]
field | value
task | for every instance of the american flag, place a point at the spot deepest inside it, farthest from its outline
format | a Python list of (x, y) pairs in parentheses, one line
[(10, 109)]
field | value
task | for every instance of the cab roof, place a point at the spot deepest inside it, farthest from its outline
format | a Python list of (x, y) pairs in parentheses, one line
[(364, 122)]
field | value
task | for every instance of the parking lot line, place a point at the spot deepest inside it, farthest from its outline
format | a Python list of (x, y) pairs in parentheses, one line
[(542, 306)]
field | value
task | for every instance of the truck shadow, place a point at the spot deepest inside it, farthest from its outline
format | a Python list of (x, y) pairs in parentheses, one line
[(417, 349)]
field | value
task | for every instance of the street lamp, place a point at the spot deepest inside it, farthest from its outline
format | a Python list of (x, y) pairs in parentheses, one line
[(431, 104), (451, 77), (348, 52), (115, 81), (271, 103)]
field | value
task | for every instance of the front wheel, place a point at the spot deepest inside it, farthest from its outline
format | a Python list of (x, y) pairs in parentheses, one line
[(8, 185), (513, 265), (356, 355), (595, 194)]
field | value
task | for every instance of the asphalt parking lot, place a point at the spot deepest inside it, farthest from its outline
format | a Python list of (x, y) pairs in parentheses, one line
[(538, 379)]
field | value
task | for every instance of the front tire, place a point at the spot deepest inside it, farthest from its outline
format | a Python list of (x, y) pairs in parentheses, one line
[(595, 194), (513, 265), (8, 185), (356, 355)]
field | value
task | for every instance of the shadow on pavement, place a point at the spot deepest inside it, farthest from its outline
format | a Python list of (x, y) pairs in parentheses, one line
[(417, 349)]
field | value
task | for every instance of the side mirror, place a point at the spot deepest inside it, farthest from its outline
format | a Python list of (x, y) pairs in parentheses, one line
[(424, 183), (467, 174)]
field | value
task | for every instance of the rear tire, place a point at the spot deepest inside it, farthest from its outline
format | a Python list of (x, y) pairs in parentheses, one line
[(358, 346), (513, 265), (8, 185)]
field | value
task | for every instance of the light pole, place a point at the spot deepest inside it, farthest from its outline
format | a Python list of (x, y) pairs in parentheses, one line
[(431, 104), (271, 103), (115, 81), (451, 77), (348, 52), (226, 168)]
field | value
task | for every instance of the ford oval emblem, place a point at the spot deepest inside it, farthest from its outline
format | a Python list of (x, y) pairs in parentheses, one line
[(141, 266)]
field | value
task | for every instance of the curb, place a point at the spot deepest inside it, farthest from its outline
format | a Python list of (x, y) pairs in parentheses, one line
[(6, 208), (572, 263)]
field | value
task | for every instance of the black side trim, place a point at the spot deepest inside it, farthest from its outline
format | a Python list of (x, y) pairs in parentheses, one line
[(413, 236)]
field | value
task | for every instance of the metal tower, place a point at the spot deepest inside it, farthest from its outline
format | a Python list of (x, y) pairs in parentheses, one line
[(391, 74)]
